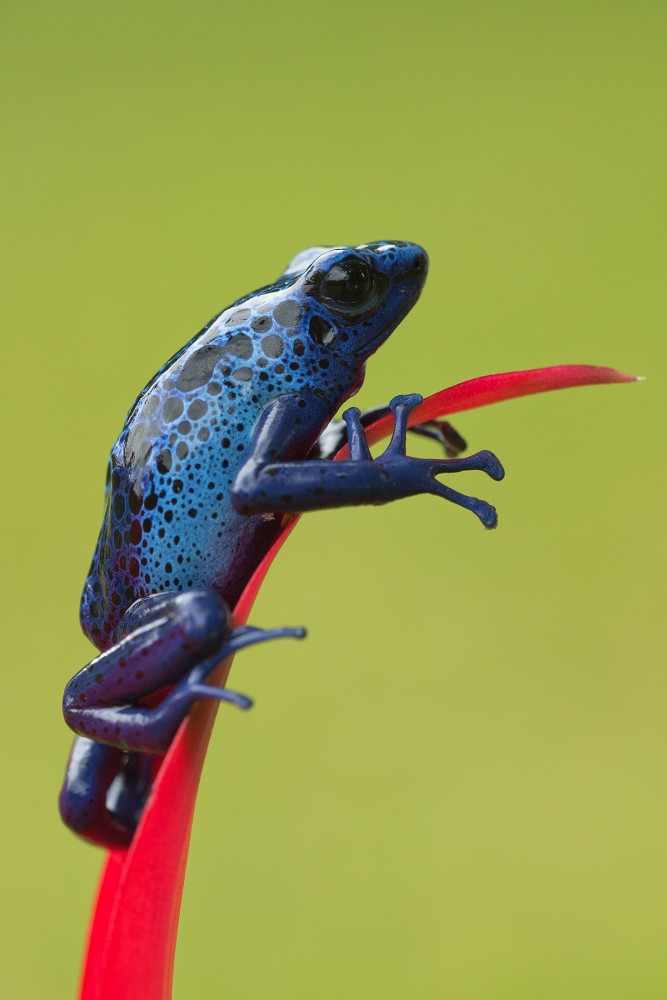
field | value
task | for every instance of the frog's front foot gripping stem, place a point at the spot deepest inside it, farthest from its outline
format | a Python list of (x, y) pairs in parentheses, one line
[(408, 476)]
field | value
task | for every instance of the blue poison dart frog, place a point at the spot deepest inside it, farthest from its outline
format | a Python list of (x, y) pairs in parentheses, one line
[(233, 432)]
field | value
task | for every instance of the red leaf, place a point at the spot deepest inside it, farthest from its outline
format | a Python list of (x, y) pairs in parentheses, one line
[(494, 389), (132, 938)]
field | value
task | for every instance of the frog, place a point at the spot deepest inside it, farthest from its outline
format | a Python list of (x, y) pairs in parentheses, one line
[(233, 435)]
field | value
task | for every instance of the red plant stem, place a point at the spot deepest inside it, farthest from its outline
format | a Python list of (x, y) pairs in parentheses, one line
[(132, 938)]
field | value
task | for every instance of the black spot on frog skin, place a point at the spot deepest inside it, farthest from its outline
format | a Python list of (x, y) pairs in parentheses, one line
[(261, 324), (288, 314), (199, 367), (136, 497), (239, 346), (273, 345), (321, 331)]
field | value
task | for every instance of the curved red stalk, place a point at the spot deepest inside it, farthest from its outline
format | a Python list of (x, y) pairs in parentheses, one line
[(132, 938)]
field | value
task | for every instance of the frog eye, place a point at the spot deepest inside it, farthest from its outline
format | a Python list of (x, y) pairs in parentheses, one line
[(350, 282)]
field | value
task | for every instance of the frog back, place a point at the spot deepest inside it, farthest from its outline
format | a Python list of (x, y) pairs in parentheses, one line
[(169, 521)]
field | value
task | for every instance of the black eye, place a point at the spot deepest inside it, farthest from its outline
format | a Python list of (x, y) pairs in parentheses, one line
[(348, 283)]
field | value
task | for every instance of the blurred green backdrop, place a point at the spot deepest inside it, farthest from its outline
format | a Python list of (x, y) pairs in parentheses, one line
[(455, 788)]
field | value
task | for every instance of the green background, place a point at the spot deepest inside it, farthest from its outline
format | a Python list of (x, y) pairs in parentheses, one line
[(456, 787)]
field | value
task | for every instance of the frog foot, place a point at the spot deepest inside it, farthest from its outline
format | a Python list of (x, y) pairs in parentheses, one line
[(176, 705), (408, 476)]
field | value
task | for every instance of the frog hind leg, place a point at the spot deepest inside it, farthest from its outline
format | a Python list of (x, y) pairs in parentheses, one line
[(169, 640), (453, 444), (86, 805), (180, 641)]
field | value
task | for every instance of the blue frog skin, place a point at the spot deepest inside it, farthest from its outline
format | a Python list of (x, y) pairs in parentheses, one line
[(235, 431)]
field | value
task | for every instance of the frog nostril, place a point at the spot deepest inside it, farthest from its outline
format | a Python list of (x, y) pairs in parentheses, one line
[(419, 264)]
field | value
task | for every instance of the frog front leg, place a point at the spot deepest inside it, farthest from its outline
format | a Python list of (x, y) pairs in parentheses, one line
[(265, 483), (168, 640)]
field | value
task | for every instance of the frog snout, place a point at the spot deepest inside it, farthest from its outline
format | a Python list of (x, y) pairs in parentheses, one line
[(411, 267), (409, 263), (420, 262)]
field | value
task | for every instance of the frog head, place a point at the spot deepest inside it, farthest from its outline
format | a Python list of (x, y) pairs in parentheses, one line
[(350, 300), (358, 295)]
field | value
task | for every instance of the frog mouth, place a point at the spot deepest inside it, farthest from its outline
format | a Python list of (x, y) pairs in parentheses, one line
[(406, 292)]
